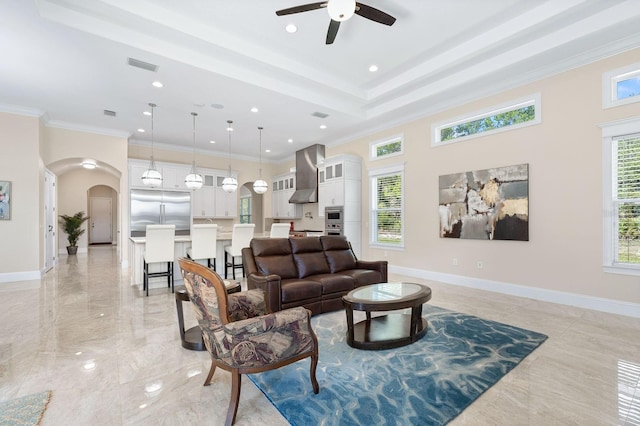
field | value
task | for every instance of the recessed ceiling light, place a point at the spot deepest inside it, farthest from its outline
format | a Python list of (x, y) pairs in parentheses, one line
[(254, 109), (291, 28), (147, 113), (267, 150), (373, 68), (141, 130), (290, 141), (212, 141), (322, 126), (157, 84)]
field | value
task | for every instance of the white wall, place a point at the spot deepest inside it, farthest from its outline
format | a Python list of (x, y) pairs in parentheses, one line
[(20, 251), (564, 253)]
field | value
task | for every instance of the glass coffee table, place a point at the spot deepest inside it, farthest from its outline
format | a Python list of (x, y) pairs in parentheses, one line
[(391, 330)]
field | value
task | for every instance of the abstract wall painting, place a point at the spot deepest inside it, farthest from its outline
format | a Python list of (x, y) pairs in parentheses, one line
[(5, 200), (491, 204)]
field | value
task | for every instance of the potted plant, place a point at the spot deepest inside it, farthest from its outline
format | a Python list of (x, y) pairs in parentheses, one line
[(72, 226)]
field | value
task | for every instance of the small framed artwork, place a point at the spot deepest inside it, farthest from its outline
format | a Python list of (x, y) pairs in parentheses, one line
[(5, 200)]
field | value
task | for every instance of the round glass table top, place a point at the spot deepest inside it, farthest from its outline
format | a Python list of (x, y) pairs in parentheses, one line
[(386, 291)]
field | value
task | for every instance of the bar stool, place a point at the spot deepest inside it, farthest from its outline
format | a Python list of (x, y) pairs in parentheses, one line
[(159, 247), (280, 230), (240, 238), (203, 243)]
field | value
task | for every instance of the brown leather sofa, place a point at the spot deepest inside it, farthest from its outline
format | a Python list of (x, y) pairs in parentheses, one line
[(314, 272)]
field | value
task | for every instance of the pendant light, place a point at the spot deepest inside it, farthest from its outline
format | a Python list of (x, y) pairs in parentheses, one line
[(193, 179), (260, 186), (151, 177), (229, 184)]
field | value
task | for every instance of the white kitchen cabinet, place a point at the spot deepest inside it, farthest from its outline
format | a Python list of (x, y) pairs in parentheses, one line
[(340, 182), (204, 199), (136, 169), (283, 188), (172, 174), (173, 177), (226, 204)]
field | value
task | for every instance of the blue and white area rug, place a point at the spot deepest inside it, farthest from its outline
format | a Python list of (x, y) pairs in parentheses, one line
[(428, 382)]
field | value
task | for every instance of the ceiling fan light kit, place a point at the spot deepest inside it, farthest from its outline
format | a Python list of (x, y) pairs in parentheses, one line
[(339, 11)]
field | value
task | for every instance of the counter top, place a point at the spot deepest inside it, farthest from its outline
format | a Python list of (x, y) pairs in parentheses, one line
[(187, 238)]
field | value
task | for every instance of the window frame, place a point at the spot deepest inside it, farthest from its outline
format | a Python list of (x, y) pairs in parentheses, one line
[(612, 132), (610, 80), (373, 147), (533, 99), (374, 174)]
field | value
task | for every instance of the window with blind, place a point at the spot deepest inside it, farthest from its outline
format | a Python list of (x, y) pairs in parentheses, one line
[(621, 187), (626, 200), (387, 206)]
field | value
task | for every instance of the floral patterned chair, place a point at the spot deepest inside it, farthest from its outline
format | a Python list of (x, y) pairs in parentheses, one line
[(239, 333)]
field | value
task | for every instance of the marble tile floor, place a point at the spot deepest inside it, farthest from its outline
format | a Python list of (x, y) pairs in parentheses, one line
[(113, 357)]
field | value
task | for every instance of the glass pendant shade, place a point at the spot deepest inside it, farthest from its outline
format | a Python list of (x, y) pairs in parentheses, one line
[(193, 179), (151, 177), (260, 186), (229, 184)]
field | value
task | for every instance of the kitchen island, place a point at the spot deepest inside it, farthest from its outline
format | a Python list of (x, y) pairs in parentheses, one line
[(182, 243)]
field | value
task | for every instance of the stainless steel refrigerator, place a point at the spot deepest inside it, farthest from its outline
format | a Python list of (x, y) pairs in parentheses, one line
[(160, 207)]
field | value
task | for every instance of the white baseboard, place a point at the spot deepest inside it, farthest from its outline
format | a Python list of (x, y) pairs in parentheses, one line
[(560, 297), (20, 276)]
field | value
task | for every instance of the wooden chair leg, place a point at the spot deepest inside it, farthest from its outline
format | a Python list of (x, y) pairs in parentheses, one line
[(226, 264), (235, 398), (212, 370), (314, 381)]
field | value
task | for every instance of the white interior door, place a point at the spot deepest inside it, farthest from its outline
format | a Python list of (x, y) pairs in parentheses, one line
[(101, 220), (50, 220)]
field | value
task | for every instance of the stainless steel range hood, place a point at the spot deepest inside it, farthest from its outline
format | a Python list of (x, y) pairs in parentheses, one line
[(307, 161)]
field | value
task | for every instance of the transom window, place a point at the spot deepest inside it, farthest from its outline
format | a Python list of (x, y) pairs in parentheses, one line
[(387, 206), (386, 148), (621, 86), (511, 115), (621, 157)]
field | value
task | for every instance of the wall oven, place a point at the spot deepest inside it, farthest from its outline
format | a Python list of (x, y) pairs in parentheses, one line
[(334, 220)]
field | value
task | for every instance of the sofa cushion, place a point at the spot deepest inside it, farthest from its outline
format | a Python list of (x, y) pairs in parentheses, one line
[(363, 276), (293, 290), (273, 256), (334, 283), (338, 253), (309, 256)]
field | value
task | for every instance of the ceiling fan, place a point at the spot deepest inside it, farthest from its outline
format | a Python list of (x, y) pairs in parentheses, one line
[(341, 10)]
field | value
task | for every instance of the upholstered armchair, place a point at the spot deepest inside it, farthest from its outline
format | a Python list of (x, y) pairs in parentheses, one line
[(239, 333)]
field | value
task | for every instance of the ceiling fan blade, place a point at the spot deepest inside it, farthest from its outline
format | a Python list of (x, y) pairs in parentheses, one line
[(333, 31), (374, 14), (302, 8)]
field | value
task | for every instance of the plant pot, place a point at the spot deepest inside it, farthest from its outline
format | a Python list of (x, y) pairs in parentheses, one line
[(72, 249)]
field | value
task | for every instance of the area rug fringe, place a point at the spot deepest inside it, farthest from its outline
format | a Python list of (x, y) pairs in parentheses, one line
[(46, 404)]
